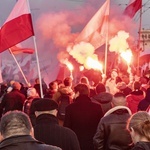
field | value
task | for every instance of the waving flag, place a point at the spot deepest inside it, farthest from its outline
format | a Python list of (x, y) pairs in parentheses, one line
[(132, 8), (17, 27), (19, 50), (95, 31)]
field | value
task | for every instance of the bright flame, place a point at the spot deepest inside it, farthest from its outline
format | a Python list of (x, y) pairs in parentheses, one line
[(68, 64), (127, 56), (81, 68), (94, 64)]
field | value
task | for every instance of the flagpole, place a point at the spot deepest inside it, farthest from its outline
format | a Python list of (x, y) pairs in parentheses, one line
[(37, 59), (106, 45), (19, 67), (139, 38)]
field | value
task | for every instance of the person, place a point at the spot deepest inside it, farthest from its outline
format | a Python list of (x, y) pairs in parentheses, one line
[(112, 82), (103, 98), (53, 87), (31, 95), (83, 116), (13, 100), (138, 125), (134, 98), (16, 133), (111, 131), (47, 128), (144, 103)]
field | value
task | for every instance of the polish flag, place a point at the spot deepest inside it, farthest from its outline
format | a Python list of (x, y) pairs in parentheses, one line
[(96, 29), (18, 50), (132, 8), (18, 26)]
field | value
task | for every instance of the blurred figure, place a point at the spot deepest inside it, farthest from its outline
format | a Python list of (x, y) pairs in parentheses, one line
[(83, 116), (92, 88), (47, 128), (16, 133), (53, 87), (111, 131), (139, 127), (31, 95), (37, 86), (112, 82), (13, 100), (145, 103), (134, 98), (103, 98)]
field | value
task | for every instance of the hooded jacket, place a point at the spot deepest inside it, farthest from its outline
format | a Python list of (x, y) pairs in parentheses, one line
[(111, 131), (133, 100)]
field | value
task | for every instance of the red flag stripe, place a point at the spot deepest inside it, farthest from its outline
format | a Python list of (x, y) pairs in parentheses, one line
[(15, 31), (133, 8)]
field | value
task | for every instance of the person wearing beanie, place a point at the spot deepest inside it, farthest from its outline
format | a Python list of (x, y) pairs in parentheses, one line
[(13, 100), (47, 128), (111, 131)]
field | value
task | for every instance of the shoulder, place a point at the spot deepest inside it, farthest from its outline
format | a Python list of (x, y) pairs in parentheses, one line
[(49, 147)]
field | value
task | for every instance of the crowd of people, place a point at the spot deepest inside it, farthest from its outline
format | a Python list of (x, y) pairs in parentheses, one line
[(112, 114)]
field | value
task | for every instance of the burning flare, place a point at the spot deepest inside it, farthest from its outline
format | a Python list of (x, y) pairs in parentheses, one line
[(127, 56)]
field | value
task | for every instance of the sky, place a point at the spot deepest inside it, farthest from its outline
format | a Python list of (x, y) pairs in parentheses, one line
[(57, 22)]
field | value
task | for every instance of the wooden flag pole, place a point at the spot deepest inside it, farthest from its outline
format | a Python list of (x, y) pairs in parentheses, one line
[(19, 66), (37, 59), (106, 44)]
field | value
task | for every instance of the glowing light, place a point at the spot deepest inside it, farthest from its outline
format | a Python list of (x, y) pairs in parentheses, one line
[(127, 56), (70, 66), (94, 64), (81, 68)]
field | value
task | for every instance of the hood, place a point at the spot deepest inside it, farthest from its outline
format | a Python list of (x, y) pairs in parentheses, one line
[(117, 108), (103, 97), (135, 97)]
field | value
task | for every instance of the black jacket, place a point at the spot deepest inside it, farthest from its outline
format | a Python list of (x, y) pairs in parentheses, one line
[(111, 131), (50, 132), (25, 142), (142, 146), (82, 117)]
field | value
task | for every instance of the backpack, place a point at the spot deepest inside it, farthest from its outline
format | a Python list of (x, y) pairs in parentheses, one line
[(63, 101)]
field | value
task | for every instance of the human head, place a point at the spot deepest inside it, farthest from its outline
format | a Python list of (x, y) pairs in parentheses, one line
[(31, 92), (16, 86), (37, 81), (45, 106), (15, 123), (68, 81), (114, 73), (82, 89), (119, 99), (137, 85), (53, 85), (100, 88), (138, 125), (84, 80)]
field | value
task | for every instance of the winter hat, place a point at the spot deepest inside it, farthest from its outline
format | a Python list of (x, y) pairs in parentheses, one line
[(31, 92), (45, 104)]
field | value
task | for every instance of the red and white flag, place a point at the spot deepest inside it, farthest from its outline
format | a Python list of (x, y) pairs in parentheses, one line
[(132, 8), (95, 31), (19, 50), (17, 27)]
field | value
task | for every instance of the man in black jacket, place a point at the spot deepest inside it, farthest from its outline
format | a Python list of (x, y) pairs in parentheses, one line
[(111, 131), (47, 128), (16, 133)]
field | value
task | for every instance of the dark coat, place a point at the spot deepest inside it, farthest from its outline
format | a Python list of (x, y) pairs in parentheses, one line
[(143, 105), (111, 131), (48, 131), (13, 101), (82, 117), (142, 146), (25, 142)]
